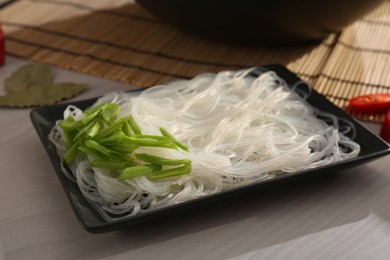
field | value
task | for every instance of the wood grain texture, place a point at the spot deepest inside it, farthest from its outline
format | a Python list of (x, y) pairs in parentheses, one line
[(341, 215)]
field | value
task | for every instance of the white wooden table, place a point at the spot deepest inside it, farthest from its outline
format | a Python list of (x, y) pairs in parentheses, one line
[(343, 215)]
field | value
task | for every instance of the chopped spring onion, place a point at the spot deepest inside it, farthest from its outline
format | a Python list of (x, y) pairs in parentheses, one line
[(114, 165), (139, 170), (158, 160), (179, 144), (173, 172), (112, 143)]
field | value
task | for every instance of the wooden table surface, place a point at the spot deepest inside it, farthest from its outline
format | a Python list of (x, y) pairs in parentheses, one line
[(341, 215)]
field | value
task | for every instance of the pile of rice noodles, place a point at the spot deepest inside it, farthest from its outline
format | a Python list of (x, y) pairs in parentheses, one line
[(239, 128)]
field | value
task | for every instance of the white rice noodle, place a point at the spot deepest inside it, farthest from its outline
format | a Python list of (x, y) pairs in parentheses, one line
[(239, 129)]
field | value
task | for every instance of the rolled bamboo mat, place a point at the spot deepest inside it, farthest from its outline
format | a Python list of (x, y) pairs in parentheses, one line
[(118, 40), (360, 62)]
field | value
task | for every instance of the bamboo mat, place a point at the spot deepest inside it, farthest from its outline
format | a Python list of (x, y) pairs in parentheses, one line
[(359, 62), (118, 40)]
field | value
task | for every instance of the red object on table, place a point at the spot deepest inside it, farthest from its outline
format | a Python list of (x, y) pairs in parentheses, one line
[(2, 48), (385, 132), (372, 103)]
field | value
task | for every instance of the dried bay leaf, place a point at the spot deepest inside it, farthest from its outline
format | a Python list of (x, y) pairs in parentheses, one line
[(42, 96), (27, 76), (29, 98), (65, 90), (32, 85)]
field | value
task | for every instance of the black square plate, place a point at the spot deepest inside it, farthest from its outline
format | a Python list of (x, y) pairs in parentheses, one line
[(43, 119)]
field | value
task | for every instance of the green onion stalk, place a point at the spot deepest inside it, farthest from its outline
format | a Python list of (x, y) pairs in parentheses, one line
[(113, 145)]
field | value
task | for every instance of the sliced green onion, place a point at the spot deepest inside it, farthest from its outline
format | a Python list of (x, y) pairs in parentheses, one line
[(92, 151), (93, 130), (83, 132), (114, 165), (69, 136), (111, 113), (136, 171), (71, 153), (86, 120), (173, 172), (163, 161), (70, 124), (154, 137), (164, 132), (92, 110), (114, 138), (112, 144), (136, 128), (122, 147), (108, 131), (126, 128), (153, 143)]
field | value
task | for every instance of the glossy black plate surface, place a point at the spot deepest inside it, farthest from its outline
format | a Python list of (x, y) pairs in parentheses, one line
[(43, 119)]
